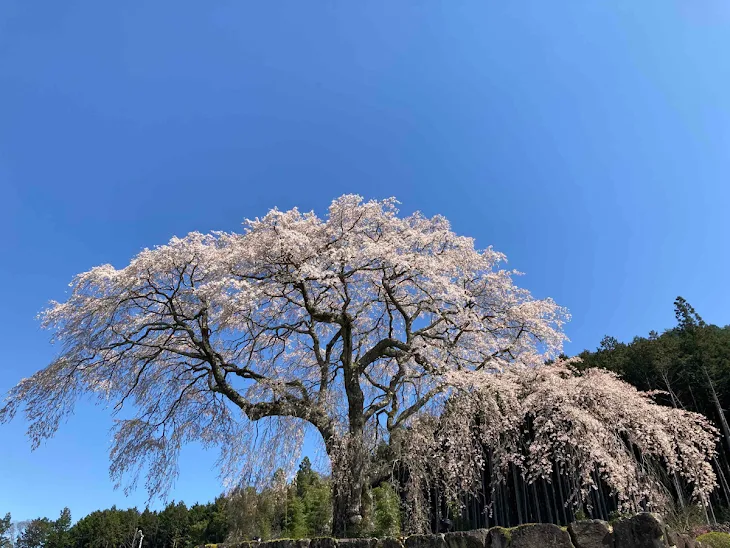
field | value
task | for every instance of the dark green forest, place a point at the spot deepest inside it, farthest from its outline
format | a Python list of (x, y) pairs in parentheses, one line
[(687, 365)]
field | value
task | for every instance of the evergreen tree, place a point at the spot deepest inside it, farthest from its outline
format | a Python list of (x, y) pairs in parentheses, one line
[(6, 540), (36, 533), (318, 508), (387, 511), (174, 525), (149, 524), (59, 535), (296, 519)]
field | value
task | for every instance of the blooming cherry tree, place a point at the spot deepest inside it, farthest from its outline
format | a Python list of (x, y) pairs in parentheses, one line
[(589, 427), (352, 325)]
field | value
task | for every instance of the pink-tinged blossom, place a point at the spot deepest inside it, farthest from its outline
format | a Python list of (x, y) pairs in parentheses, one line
[(354, 325), (539, 418)]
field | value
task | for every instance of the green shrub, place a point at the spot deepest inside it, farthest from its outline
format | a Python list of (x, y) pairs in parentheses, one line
[(715, 540), (387, 511)]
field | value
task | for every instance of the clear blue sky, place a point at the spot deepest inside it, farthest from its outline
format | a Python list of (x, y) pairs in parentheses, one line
[(589, 141)]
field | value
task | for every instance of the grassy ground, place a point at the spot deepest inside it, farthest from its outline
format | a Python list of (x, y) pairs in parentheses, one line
[(715, 540)]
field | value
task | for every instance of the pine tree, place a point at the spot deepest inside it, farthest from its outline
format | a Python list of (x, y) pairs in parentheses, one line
[(6, 540)]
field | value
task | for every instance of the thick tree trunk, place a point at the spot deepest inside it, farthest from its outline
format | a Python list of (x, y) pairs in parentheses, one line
[(348, 474), (349, 458)]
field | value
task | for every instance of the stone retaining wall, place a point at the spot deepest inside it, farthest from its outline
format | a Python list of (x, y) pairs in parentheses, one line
[(639, 531)]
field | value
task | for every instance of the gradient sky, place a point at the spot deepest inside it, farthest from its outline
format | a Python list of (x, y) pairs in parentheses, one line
[(589, 141)]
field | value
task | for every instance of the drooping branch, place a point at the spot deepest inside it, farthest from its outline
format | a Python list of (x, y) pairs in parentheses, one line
[(296, 321), (553, 422)]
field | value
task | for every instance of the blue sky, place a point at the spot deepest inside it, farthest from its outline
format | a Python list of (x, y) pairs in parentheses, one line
[(589, 141)]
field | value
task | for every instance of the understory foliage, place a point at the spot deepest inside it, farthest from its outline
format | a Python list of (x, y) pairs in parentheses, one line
[(386, 511), (547, 421), (299, 509), (303, 509)]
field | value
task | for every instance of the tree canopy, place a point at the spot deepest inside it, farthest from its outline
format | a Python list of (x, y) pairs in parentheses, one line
[(351, 324), (369, 328)]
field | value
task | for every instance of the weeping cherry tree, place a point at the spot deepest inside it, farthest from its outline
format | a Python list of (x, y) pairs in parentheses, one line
[(552, 424), (351, 326)]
